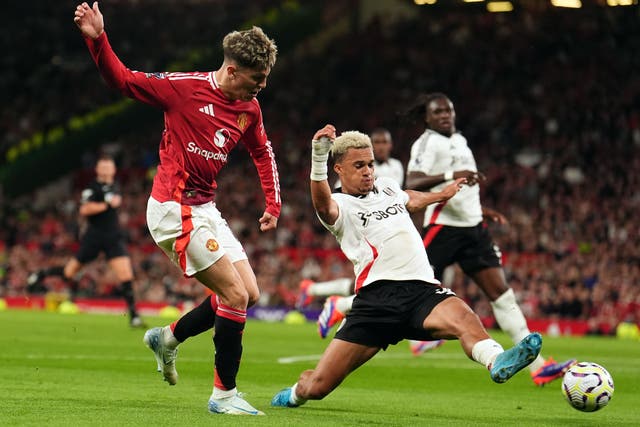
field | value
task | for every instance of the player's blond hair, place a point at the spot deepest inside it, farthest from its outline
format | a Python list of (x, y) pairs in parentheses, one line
[(250, 49), (349, 139)]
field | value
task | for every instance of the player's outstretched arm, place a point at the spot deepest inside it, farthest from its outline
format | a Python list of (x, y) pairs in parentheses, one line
[(420, 181), (89, 20), (324, 205), (419, 200)]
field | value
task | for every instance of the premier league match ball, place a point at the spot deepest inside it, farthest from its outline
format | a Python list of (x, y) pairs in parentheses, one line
[(587, 386)]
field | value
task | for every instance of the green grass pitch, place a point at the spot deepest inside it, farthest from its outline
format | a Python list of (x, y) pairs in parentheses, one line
[(93, 370)]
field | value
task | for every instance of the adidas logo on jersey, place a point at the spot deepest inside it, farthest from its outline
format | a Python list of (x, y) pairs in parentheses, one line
[(208, 110)]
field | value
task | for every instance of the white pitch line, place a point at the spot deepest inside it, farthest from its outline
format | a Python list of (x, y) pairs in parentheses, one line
[(381, 355), (101, 357), (294, 359)]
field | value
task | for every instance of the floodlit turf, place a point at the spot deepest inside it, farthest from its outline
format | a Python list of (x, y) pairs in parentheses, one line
[(82, 370)]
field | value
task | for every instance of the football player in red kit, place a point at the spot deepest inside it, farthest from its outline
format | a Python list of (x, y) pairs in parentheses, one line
[(205, 114)]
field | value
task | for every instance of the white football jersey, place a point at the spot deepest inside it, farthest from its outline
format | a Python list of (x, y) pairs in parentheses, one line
[(392, 168), (433, 154), (376, 234)]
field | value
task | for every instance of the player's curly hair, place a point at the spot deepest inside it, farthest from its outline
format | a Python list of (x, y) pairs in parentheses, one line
[(250, 49), (349, 139), (418, 110)]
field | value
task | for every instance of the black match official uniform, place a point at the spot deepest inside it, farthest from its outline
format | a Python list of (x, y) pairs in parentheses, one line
[(103, 233)]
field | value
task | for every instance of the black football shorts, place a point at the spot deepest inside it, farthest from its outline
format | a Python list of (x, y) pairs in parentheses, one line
[(471, 247), (387, 311), (95, 241)]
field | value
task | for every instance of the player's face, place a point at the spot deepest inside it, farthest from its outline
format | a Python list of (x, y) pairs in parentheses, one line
[(248, 82), (355, 170), (441, 116), (105, 171), (381, 146)]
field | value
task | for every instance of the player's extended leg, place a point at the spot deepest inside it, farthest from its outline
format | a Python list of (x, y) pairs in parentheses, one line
[(308, 289), (121, 265), (338, 360), (511, 320), (453, 318), (164, 341)]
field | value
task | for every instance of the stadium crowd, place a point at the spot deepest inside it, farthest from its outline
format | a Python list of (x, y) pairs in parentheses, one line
[(544, 98)]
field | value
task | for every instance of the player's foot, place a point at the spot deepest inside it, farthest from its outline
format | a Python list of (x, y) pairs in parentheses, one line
[(329, 316), (283, 398), (137, 322), (165, 357), (234, 405), (304, 299), (509, 362), (34, 281), (419, 347), (550, 371), (34, 278)]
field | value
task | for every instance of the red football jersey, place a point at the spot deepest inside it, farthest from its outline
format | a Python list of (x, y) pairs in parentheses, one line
[(201, 127)]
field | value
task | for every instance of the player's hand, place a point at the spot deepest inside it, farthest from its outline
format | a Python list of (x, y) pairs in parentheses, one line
[(494, 216), (472, 177), (89, 20), (452, 189), (323, 140), (268, 222), (113, 200)]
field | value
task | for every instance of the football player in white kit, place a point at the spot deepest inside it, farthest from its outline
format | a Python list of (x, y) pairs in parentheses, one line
[(455, 231), (397, 295)]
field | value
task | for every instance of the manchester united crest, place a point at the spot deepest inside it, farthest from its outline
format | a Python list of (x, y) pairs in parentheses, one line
[(212, 245), (242, 120)]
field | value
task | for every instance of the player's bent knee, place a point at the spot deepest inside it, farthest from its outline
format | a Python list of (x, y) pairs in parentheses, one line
[(254, 297), (233, 296)]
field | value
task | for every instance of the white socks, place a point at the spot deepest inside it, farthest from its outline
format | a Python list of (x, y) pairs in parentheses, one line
[(294, 399), (486, 351), (342, 286), (222, 394), (512, 321), (343, 305)]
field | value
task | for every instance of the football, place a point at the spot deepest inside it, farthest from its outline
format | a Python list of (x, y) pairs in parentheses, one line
[(587, 386)]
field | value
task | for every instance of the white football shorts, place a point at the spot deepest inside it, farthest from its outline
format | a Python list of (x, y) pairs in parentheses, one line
[(193, 237)]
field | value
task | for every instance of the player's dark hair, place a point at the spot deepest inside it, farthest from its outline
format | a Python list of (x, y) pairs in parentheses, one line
[(380, 130), (105, 157), (418, 110)]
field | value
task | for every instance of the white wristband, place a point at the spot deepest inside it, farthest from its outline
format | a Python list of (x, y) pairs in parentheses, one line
[(448, 175), (319, 170)]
